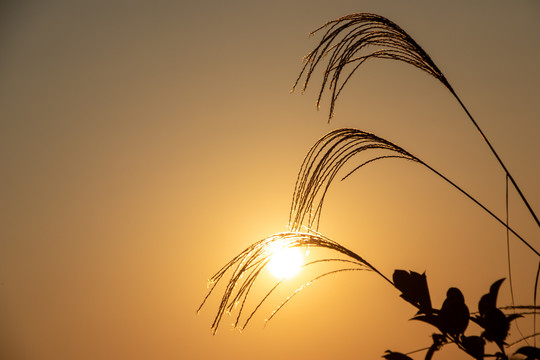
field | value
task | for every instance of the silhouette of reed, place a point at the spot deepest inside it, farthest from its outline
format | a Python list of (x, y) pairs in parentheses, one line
[(346, 44), (326, 158), (320, 167), (247, 266), (352, 40)]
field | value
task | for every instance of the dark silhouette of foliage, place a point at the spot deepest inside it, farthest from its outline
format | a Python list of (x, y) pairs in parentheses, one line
[(495, 323), (474, 346), (531, 353), (390, 355), (414, 289), (453, 317), (347, 43)]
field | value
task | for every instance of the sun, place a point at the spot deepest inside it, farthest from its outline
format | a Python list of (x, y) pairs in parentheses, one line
[(285, 262)]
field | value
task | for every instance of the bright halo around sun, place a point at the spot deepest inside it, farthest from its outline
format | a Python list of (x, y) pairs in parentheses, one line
[(285, 262)]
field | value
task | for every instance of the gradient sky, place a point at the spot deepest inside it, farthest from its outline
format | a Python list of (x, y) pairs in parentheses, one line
[(144, 144)]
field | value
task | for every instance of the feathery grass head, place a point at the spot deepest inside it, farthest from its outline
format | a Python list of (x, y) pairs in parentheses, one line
[(328, 156), (320, 166), (353, 39), (323, 162), (347, 43), (247, 266)]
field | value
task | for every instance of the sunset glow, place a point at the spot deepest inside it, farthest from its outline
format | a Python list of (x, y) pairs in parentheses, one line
[(285, 262), (168, 192)]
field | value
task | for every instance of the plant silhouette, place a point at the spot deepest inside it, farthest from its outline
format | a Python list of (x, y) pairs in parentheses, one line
[(452, 319), (347, 43)]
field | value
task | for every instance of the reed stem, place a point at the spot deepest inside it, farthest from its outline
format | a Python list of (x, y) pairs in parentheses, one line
[(510, 177)]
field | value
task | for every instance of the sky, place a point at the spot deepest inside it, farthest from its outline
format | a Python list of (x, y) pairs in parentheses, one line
[(143, 144)]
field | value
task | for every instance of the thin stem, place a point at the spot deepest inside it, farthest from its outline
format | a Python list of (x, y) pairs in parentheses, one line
[(534, 335), (531, 211), (534, 301), (508, 241), (509, 261), (482, 206)]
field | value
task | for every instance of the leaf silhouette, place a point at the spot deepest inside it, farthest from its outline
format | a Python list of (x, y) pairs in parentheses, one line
[(495, 323), (454, 314), (431, 319), (390, 355), (414, 289), (489, 300), (531, 352), (474, 346)]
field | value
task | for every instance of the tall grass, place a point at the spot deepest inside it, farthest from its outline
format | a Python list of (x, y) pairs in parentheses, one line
[(247, 266), (326, 158), (346, 44), (351, 40)]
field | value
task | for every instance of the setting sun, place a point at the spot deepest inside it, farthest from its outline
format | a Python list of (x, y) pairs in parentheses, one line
[(285, 262), (270, 180)]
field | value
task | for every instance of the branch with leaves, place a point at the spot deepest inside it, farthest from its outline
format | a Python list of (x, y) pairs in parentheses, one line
[(452, 319)]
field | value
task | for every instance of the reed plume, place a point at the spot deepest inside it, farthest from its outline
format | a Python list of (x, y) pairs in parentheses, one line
[(247, 266), (323, 162), (319, 168), (351, 40), (347, 41), (327, 157)]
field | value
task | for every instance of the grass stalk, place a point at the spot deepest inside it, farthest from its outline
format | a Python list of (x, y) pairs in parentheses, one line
[(247, 266), (346, 42), (327, 157)]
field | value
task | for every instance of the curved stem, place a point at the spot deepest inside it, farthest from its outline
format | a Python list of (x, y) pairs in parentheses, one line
[(534, 301), (482, 206), (531, 211)]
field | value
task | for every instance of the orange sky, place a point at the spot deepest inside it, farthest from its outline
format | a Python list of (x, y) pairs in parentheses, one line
[(144, 144)]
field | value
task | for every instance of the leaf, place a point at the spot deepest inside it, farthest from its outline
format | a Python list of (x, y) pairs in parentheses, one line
[(390, 355), (492, 319), (531, 352), (431, 319), (494, 288), (512, 317), (414, 289), (489, 300), (496, 326), (454, 314), (474, 346)]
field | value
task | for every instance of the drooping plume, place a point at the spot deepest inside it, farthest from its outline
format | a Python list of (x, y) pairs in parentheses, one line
[(323, 162), (247, 266), (353, 39)]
